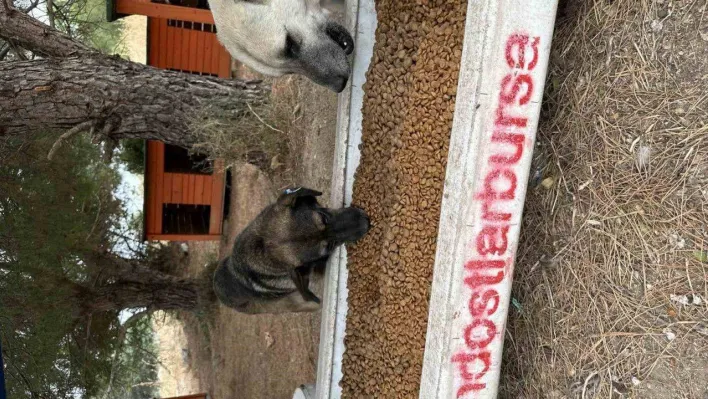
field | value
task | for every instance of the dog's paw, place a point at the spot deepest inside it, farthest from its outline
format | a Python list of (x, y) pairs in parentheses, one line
[(313, 298)]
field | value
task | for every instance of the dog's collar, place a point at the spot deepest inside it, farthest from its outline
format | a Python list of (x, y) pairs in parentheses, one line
[(292, 190)]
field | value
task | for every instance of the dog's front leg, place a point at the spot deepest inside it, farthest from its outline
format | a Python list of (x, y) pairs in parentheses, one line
[(301, 277)]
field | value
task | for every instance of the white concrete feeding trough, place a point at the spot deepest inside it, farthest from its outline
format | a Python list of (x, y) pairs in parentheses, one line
[(500, 87)]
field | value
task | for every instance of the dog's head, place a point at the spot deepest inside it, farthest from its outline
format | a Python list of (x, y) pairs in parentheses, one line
[(298, 229), (278, 37)]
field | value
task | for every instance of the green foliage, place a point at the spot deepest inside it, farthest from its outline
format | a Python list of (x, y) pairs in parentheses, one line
[(52, 213), (132, 155), (47, 210), (85, 20), (136, 370)]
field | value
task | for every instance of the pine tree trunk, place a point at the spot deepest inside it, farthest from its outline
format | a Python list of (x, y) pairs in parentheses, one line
[(154, 295), (115, 98), (130, 284)]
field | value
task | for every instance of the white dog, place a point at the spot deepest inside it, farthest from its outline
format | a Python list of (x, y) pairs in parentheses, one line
[(278, 37)]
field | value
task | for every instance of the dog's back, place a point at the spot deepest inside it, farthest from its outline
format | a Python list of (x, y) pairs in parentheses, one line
[(248, 274), (269, 268)]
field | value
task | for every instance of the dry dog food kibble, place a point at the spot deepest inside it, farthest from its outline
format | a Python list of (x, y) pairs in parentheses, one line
[(407, 118)]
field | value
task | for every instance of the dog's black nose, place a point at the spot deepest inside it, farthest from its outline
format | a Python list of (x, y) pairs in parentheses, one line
[(340, 84)]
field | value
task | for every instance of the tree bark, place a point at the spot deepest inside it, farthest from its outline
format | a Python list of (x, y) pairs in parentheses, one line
[(130, 284), (30, 34), (173, 294), (119, 99)]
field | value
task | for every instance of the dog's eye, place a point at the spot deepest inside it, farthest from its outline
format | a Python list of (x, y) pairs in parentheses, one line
[(292, 48)]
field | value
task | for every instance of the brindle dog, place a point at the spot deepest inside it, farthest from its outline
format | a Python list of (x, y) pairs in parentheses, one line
[(272, 259)]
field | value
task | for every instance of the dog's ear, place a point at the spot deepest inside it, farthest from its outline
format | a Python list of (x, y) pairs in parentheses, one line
[(288, 197)]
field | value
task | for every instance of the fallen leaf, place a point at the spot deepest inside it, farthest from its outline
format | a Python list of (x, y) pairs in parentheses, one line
[(688, 299), (670, 335), (275, 163), (269, 340), (547, 183), (702, 256)]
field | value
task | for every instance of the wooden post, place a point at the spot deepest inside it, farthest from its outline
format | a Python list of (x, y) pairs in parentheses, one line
[(167, 11)]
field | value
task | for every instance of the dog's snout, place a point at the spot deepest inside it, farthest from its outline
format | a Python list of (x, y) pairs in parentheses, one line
[(340, 83), (340, 36), (363, 220), (364, 217), (351, 225)]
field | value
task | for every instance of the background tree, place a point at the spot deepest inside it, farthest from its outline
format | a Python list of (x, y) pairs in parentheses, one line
[(62, 286), (71, 271), (67, 86), (82, 20), (132, 155)]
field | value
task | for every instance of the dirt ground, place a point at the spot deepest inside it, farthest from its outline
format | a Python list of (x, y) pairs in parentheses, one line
[(614, 234)]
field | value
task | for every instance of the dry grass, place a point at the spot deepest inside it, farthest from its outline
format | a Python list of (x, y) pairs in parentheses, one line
[(261, 135), (174, 372), (624, 140)]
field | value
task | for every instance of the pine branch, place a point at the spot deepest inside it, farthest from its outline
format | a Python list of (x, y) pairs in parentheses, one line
[(24, 31)]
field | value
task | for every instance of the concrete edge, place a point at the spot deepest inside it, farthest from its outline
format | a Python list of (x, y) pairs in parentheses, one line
[(361, 21), (499, 91)]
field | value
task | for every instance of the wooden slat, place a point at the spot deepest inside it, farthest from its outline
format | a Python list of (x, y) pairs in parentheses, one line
[(170, 46), (177, 45), (215, 56), (192, 189), (199, 190), (224, 64), (155, 45), (184, 52), (186, 180), (184, 237), (200, 51), (177, 188), (167, 188), (163, 40), (152, 189), (153, 217), (193, 61), (209, 39), (206, 195), (145, 7), (160, 170), (217, 199)]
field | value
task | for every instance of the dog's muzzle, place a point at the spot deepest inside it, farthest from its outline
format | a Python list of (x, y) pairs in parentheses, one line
[(349, 225)]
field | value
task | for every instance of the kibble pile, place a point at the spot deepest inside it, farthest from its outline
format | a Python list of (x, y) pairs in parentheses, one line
[(408, 108)]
